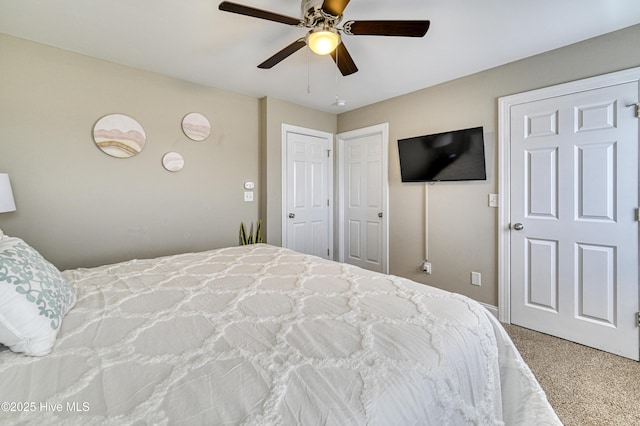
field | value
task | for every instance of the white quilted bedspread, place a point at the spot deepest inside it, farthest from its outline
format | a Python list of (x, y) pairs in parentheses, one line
[(260, 335)]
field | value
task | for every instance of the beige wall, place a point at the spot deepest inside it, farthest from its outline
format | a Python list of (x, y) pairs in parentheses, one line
[(79, 206), (462, 230), (275, 113)]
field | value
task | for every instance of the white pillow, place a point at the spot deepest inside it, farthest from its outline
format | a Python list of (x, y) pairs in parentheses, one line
[(33, 298)]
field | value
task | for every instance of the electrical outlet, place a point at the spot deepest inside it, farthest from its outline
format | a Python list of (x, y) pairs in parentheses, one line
[(426, 267), (476, 278), (248, 195)]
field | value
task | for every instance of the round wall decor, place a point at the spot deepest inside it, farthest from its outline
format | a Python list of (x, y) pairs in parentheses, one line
[(119, 135), (196, 126), (173, 161)]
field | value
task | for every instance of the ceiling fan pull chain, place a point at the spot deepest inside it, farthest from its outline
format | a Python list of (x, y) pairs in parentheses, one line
[(308, 71), (335, 73)]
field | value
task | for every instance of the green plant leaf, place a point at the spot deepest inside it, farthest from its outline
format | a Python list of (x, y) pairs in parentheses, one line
[(243, 234), (259, 232)]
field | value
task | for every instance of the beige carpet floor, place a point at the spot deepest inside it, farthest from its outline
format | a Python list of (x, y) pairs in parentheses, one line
[(585, 386)]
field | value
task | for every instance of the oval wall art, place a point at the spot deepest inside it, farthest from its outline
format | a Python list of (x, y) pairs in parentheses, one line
[(173, 161), (119, 135), (196, 126)]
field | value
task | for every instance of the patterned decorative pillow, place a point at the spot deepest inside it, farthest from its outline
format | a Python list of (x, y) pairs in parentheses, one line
[(33, 298)]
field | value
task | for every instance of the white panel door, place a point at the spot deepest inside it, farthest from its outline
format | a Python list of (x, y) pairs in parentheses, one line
[(307, 189), (574, 230), (363, 198)]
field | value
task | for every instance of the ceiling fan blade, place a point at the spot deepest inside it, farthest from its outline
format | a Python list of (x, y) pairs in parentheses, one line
[(334, 7), (387, 28), (240, 9), (344, 61), (283, 54)]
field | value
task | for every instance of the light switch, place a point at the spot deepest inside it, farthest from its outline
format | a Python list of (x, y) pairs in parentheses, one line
[(493, 200), (476, 278), (248, 195)]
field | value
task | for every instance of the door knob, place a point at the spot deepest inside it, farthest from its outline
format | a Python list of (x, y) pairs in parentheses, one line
[(518, 227), (292, 215)]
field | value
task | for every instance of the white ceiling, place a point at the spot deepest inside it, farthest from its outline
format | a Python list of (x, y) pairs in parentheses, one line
[(194, 41)]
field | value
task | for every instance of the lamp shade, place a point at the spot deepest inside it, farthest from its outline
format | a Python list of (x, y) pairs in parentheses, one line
[(323, 42), (7, 204)]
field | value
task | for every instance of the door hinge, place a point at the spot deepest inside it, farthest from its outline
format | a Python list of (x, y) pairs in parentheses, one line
[(637, 319), (637, 214), (327, 252), (636, 109), (328, 153)]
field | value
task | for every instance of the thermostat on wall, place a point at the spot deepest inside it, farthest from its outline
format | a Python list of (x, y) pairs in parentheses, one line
[(249, 185)]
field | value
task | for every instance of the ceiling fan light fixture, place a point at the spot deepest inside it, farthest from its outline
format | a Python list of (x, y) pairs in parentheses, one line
[(323, 41)]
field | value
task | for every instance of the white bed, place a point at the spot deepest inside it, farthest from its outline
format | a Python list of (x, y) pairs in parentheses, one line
[(261, 335)]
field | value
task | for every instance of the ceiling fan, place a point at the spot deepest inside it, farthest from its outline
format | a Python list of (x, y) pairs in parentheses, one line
[(322, 17)]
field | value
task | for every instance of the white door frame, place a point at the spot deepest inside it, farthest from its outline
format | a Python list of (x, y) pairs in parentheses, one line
[(288, 128), (383, 130), (504, 166)]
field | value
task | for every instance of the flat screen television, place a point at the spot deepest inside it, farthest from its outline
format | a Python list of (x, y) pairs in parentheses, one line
[(448, 156)]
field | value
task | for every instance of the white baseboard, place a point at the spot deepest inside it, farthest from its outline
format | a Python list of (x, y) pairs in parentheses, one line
[(491, 308)]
